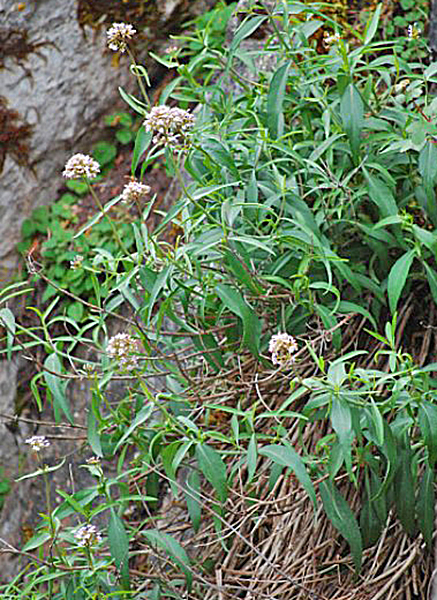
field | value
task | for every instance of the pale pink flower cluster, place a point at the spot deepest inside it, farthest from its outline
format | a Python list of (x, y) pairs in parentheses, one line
[(282, 347), (38, 442), (118, 35), (134, 190), (87, 535), (81, 165), (171, 125), (122, 348)]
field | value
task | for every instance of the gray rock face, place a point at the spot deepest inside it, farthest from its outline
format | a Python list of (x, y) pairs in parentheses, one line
[(60, 88)]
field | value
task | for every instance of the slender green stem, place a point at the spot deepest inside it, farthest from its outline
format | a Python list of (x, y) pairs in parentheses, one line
[(137, 72), (113, 227)]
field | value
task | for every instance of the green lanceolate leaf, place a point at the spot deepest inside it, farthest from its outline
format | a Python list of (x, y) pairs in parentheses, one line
[(192, 497), (382, 196), (428, 164), (173, 549), (428, 426), (397, 278), (352, 115), (405, 492), (213, 468), (275, 101), (57, 386), (235, 302), (142, 142), (286, 456), (425, 506), (119, 547), (372, 25), (7, 317), (341, 516)]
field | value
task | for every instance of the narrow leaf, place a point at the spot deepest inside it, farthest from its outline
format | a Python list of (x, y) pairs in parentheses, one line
[(341, 516), (214, 469), (173, 549), (397, 278), (286, 456), (275, 101), (119, 546)]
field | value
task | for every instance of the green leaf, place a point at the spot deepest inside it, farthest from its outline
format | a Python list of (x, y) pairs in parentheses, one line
[(286, 456), (372, 25), (8, 319), (234, 301), (341, 516), (341, 420), (143, 414), (37, 540), (97, 217), (382, 196), (133, 102), (428, 163), (251, 458), (214, 469), (431, 275), (352, 115), (93, 434), (173, 549), (397, 278), (405, 491), (192, 497), (119, 547), (427, 416), (425, 506), (275, 101), (57, 387), (142, 142), (247, 27)]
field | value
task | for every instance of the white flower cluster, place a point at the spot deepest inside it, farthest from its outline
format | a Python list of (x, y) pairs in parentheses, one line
[(122, 348), (413, 31), (171, 126), (282, 347), (118, 35), (87, 535), (37, 442), (81, 165), (76, 263), (134, 190)]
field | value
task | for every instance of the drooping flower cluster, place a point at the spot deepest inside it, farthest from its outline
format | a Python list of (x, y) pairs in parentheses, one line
[(282, 347), (122, 348), (81, 165), (134, 190), (87, 535), (38, 442), (171, 126), (118, 35)]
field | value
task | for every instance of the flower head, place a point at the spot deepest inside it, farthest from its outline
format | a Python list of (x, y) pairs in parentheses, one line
[(93, 460), (282, 347), (37, 442), (87, 535), (134, 190), (76, 263), (81, 165), (118, 35), (171, 126), (413, 31), (122, 348)]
